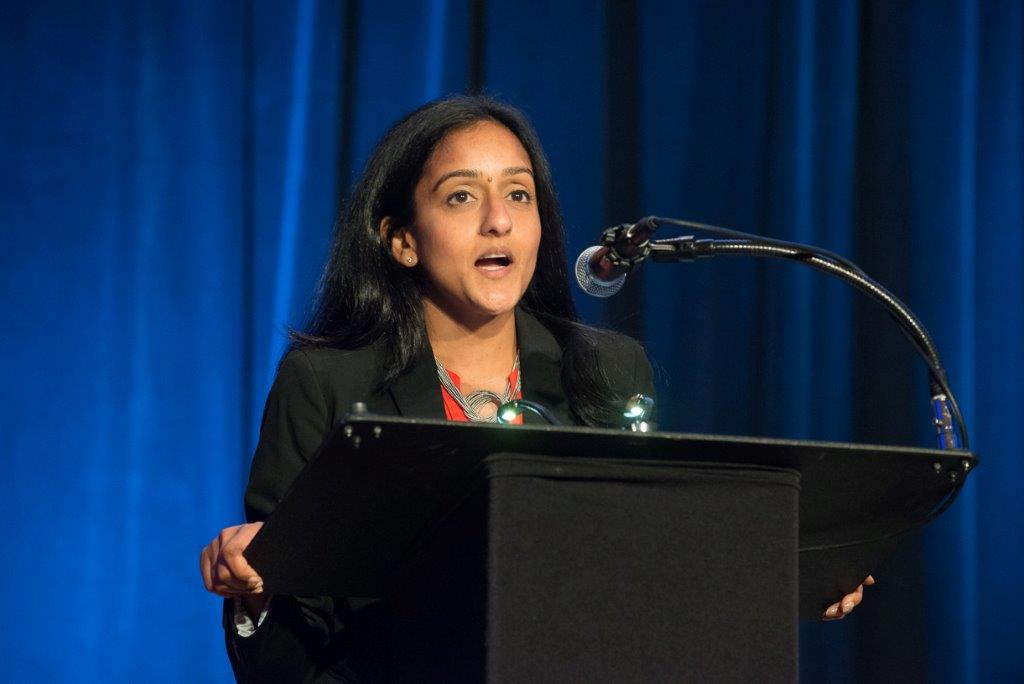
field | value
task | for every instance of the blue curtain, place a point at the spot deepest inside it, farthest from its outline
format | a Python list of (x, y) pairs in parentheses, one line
[(173, 170)]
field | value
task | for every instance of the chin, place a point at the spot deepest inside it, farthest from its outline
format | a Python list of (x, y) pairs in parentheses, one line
[(496, 305), (495, 311)]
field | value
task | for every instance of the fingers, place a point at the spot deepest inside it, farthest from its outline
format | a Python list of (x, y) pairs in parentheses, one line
[(207, 559), (223, 566), (851, 601), (204, 568), (843, 607), (226, 535), (226, 592), (225, 578), (232, 555)]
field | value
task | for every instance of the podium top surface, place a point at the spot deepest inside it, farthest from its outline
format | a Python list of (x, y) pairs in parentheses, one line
[(378, 481), (779, 451)]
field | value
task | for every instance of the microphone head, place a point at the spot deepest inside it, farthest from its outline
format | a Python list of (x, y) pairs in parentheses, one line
[(589, 283)]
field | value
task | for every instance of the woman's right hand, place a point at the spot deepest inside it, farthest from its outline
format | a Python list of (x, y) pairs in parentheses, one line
[(224, 568)]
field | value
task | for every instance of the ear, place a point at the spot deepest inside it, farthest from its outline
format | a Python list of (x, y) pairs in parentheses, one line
[(400, 242)]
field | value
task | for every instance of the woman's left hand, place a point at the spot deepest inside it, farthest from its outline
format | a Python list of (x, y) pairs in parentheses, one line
[(843, 607)]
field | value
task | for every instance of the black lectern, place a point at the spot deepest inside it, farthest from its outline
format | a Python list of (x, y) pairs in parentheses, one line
[(522, 553)]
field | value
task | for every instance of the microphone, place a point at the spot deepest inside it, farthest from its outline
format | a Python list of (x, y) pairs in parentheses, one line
[(601, 270), (596, 274)]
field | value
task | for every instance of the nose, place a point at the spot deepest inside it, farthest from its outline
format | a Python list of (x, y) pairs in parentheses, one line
[(497, 220)]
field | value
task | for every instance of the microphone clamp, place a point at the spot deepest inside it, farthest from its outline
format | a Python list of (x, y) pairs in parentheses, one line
[(629, 243)]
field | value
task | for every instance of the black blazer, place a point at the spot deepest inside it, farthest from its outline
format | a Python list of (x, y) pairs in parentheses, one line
[(345, 639)]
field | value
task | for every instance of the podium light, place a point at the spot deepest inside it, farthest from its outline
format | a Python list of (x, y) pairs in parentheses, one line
[(509, 411)]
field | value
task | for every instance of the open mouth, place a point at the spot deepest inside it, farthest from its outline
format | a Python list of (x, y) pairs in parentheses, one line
[(493, 261)]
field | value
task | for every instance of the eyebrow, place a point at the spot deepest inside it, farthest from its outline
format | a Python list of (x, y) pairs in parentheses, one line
[(473, 173)]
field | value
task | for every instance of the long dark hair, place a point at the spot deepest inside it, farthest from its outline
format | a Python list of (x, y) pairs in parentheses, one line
[(364, 295)]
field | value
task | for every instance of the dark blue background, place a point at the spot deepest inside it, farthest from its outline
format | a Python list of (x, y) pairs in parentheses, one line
[(171, 172)]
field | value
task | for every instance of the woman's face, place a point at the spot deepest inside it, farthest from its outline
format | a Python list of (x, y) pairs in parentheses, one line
[(476, 228)]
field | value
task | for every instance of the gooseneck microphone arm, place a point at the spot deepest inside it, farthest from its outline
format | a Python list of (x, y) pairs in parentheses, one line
[(688, 248)]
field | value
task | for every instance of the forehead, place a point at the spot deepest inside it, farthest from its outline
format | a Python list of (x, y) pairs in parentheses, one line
[(482, 146)]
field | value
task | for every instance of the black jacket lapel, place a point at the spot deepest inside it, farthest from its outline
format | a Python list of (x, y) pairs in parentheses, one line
[(540, 362), (417, 393)]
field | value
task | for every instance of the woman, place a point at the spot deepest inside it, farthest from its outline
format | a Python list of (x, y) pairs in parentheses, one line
[(445, 289)]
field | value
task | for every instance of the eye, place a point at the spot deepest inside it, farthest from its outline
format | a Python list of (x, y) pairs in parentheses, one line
[(459, 197), (520, 196)]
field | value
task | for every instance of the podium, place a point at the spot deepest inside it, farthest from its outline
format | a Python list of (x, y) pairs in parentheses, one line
[(535, 553)]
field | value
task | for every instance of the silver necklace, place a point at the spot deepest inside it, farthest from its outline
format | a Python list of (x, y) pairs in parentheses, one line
[(475, 401)]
